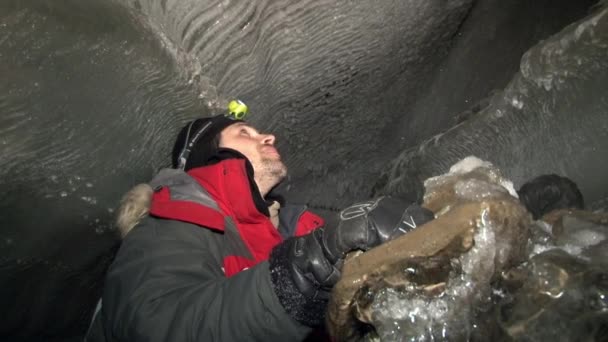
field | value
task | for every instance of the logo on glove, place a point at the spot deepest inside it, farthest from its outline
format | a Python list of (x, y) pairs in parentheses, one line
[(411, 224), (359, 209)]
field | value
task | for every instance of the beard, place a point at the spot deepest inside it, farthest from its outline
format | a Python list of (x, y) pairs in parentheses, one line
[(268, 173), (274, 168)]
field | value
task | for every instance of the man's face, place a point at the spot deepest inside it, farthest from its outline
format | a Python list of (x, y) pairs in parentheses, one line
[(258, 148)]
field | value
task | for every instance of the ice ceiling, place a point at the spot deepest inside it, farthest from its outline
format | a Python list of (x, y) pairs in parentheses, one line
[(364, 97)]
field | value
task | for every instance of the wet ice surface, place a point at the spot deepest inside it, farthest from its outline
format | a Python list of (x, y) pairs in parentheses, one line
[(401, 316), (555, 296), (555, 65), (572, 65), (560, 298), (411, 315), (564, 285), (559, 293), (90, 99)]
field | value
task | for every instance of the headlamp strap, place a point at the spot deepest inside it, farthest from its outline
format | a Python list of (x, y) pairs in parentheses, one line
[(183, 156)]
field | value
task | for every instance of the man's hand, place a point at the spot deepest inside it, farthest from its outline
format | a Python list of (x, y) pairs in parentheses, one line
[(368, 224), (313, 262)]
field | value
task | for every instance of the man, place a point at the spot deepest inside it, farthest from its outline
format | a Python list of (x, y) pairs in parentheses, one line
[(216, 259)]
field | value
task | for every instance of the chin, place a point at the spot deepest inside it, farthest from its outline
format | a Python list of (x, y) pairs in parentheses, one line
[(274, 167), (281, 171)]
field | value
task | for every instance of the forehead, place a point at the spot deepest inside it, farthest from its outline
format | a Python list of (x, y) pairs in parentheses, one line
[(237, 126)]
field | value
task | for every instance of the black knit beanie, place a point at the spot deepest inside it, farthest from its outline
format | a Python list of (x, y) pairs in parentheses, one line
[(198, 141)]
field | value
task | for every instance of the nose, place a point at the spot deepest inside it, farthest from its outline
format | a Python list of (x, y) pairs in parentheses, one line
[(268, 139)]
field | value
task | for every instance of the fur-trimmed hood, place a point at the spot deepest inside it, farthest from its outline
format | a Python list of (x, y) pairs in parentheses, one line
[(134, 206), (136, 203)]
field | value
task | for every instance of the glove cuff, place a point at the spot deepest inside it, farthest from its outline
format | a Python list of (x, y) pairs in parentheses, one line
[(309, 311)]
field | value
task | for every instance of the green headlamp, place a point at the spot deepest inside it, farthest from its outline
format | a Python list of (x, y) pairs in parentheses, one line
[(237, 110)]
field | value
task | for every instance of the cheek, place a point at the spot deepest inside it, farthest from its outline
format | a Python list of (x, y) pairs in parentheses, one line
[(244, 147), (251, 153)]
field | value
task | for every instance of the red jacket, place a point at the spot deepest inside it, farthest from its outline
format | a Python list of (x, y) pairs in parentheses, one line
[(219, 197)]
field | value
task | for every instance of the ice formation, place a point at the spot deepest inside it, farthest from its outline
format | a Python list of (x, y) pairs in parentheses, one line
[(482, 270), (428, 284)]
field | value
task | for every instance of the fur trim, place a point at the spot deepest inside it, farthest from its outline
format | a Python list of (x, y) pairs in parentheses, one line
[(273, 209), (134, 205)]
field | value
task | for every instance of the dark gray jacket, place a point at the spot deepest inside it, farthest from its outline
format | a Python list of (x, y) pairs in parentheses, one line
[(168, 283)]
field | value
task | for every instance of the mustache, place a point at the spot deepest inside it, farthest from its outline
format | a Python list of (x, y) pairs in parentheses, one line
[(269, 148)]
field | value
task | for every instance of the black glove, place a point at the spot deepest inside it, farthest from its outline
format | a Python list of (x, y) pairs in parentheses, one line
[(304, 269), (368, 224)]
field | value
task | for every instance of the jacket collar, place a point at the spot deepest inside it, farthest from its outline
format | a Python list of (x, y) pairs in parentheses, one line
[(230, 183)]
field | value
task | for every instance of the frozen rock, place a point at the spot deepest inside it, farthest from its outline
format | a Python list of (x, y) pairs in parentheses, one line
[(428, 284)]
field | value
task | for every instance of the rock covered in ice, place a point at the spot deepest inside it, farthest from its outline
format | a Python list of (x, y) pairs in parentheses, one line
[(430, 283), (481, 271), (578, 232), (469, 179), (561, 293), (558, 297)]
